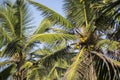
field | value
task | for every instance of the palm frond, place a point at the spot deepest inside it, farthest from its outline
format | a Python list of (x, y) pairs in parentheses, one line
[(59, 45), (95, 66), (5, 62), (78, 12), (56, 73), (110, 6), (43, 51), (36, 73), (5, 34), (108, 44), (116, 35), (58, 30), (23, 15), (51, 73), (60, 70), (52, 15), (50, 38), (47, 49), (44, 26), (108, 16), (12, 48), (72, 72), (106, 68), (59, 56), (4, 74), (7, 20), (27, 65)]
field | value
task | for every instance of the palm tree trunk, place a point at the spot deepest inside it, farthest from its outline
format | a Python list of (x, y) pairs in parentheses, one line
[(19, 73)]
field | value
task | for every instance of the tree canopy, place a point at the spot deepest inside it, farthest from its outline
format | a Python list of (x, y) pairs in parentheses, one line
[(83, 46)]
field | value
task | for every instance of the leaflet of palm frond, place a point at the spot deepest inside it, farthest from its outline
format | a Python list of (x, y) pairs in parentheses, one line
[(116, 35), (58, 30), (114, 12), (4, 74), (63, 30), (75, 11), (36, 73), (71, 7), (4, 63), (50, 38), (107, 19), (110, 6), (2, 40), (50, 48), (23, 16), (52, 15), (49, 60), (0, 43), (107, 44), (34, 55), (59, 45), (4, 35), (106, 68), (42, 52), (56, 73), (12, 48), (7, 20), (104, 22), (32, 45), (44, 25), (114, 54), (27, 65), (60, 70), (80, 68)]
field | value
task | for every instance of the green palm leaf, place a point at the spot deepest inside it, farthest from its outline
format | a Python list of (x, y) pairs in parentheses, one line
[(58, 30), (7, 20), (110, 6), (50, 60), (36, 73), (44, 25), (52, 15), (106, 68), (108, 15), (24, 17), (4, 74), (5, 34), (49, 49), (79, 12), (50, 38), (5, 62), (12, 48), (72, 71), (107, 44), (55, 73), (94, 67)]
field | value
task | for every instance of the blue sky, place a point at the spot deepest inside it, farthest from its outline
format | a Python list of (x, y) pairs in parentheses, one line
[(55, 5)]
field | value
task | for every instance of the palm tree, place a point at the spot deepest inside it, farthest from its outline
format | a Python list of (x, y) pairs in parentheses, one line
[(15, 22), (96, 23)]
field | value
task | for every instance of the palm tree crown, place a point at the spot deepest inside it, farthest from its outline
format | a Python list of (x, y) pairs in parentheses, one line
[(15, 21), (87, 44)]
